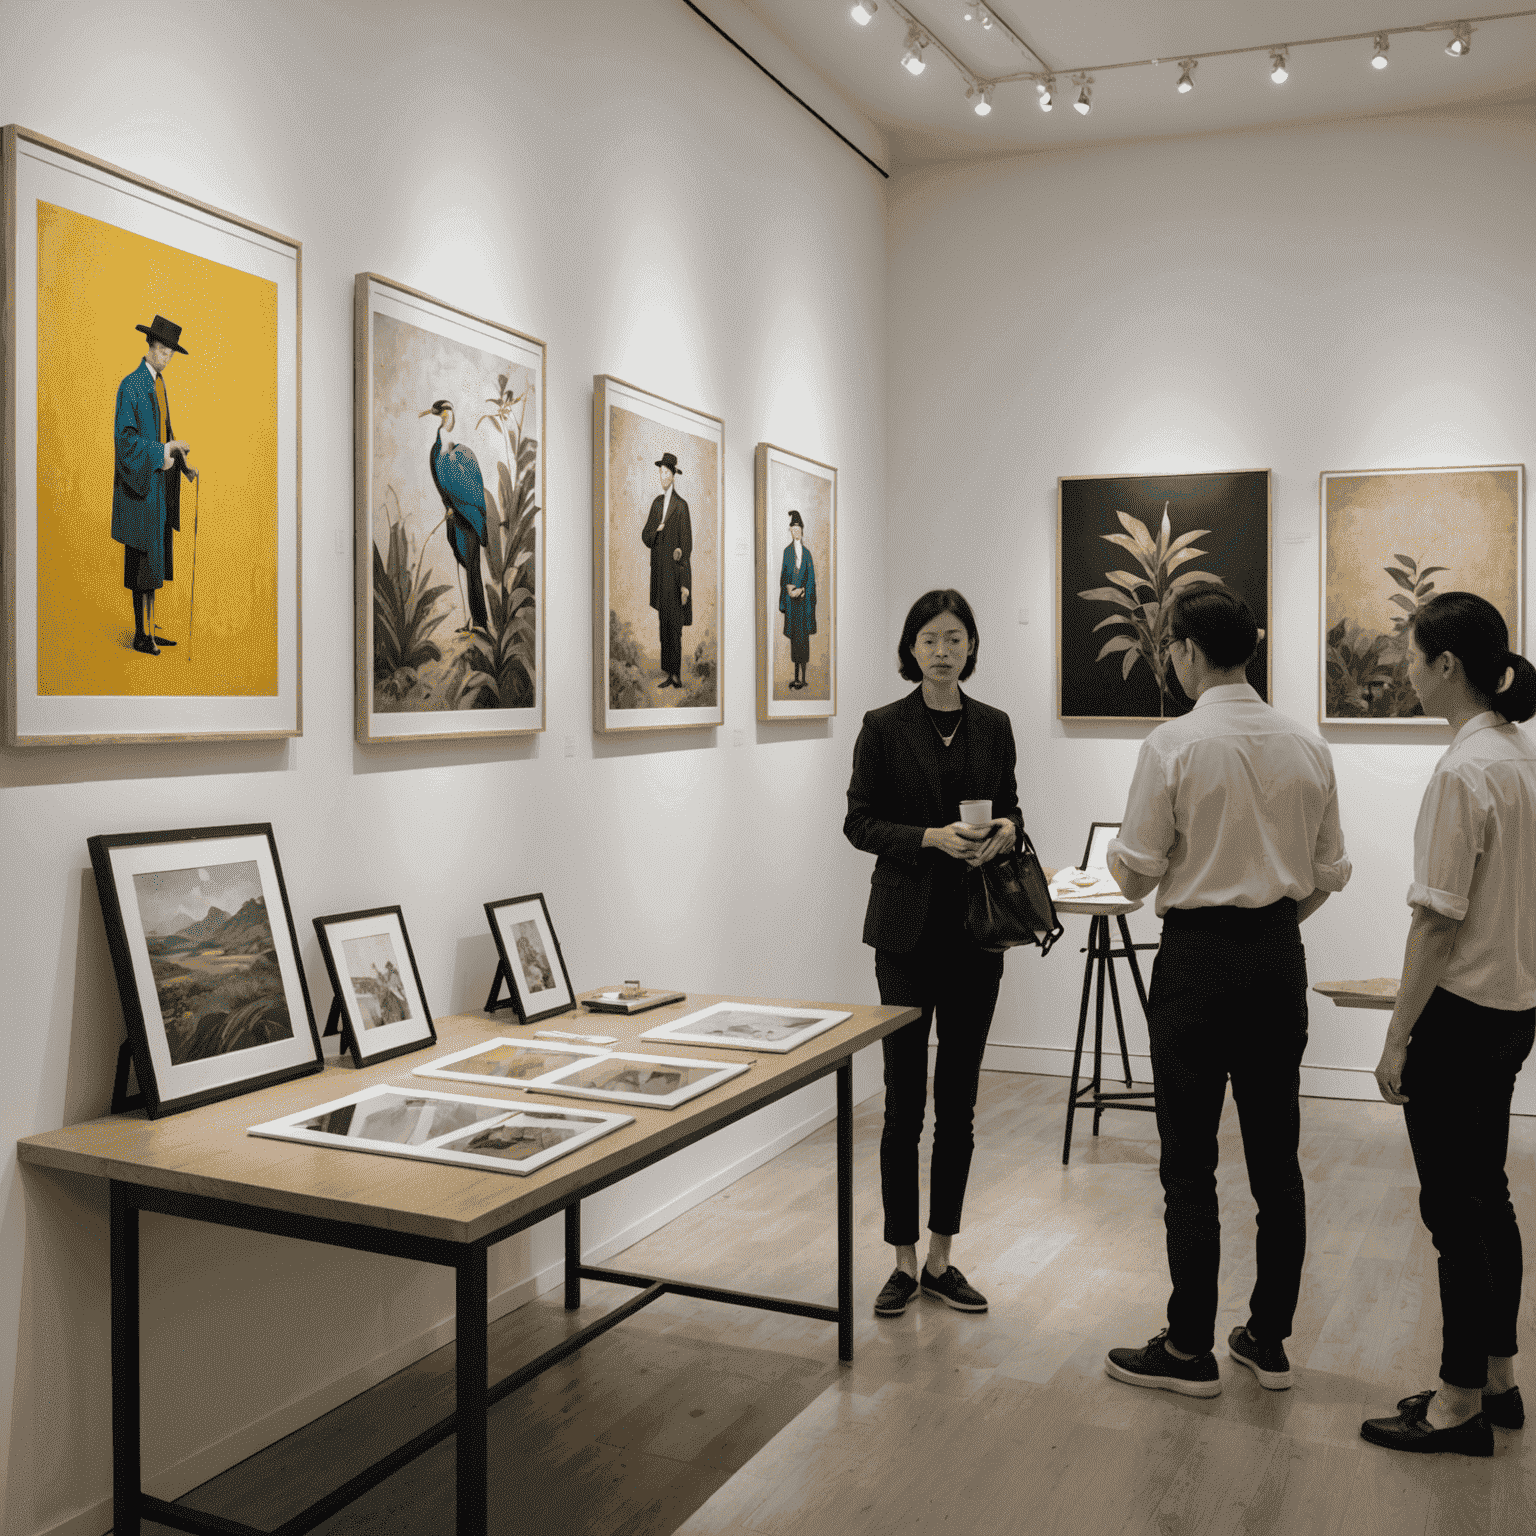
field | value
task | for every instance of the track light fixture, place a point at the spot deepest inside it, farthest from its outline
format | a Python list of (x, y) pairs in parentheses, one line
[(983, 95), (1379, 58), (1460, 44), (1084, 102), (1187, 79), (863, 11), (986, 19), (1047, 90), (1277, 69), (912, 59)]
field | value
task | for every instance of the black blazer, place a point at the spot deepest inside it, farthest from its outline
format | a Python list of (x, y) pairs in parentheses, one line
[(894, 796)]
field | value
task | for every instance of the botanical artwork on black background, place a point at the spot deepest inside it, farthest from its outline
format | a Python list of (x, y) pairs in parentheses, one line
[(1128, 545)]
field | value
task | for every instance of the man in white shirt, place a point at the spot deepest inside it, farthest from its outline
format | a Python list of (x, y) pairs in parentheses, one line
[(1233, 818)]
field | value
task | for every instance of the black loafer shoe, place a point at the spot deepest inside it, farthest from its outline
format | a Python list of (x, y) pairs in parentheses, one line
[(895, 1294), (953, 1290), (1505, 1410), (1153, 1366), (145, 646), (161, 640), (1409, 1431)]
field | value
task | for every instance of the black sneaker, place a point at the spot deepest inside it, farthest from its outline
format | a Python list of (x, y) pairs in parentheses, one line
[(953, 1290), (1153, 1366), (895, 1294), (1266, 1361)]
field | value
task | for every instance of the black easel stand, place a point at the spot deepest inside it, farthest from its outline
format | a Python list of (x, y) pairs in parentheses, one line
[(122, 1100), (1101, 952), (336, 1024), (493, 1001)]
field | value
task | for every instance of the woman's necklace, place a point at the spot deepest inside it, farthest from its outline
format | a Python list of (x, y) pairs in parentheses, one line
[(940, 734)]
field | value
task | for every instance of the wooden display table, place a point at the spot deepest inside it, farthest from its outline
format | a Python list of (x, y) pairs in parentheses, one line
[(201, 1165), (1378, 992)]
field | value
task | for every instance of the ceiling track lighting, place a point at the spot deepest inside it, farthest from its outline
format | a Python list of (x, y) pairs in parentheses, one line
[(983, 95), (1379, 58), (1277, 66), (1047, 90), (863, 11), (1460, 44), (912, 59), (1187, 79), (1084, 102)]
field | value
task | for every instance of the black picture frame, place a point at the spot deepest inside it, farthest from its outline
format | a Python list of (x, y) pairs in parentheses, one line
[(531, 1004), (1093, 832), (180, 1062), (373, 1042)]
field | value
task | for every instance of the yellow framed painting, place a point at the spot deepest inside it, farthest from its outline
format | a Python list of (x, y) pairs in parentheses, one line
[(151, 459)]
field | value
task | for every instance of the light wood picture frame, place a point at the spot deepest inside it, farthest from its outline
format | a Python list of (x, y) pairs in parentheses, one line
[(796, 590), (1125, 546), (207, 962), (1390, 540), (449, 479), (134, 612), (656, 656), (375, 984)]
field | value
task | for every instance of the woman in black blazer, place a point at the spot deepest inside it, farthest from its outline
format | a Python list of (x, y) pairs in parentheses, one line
[(914, 762)]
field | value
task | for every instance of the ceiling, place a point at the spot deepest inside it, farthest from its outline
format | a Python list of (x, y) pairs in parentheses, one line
[(928, 118)]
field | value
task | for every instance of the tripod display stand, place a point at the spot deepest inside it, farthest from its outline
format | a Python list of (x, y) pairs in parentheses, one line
[(1102, 954)]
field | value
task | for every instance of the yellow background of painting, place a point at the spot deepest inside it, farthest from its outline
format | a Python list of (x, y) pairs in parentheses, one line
[(95, 283)]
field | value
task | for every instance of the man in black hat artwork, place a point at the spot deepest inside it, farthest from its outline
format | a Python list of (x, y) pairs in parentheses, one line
[(668, 534), (146, 488)]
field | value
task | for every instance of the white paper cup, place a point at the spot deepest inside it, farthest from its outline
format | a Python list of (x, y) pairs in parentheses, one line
[(975, 813)]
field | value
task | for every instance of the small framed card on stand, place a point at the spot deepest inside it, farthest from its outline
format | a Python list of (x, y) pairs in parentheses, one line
[(531, 968), (378, 1006)]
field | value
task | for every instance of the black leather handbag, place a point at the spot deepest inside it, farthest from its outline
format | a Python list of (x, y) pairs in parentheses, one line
[(1008, 902)]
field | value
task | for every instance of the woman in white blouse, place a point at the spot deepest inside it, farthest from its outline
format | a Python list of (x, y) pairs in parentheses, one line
[(1466, 1014)]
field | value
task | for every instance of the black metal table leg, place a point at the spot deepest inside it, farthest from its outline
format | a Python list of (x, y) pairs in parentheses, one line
[(124, 1244), (471, 1305), (1077, 1054), (1130, 954), (1100, 940), (845, 1210), (1114, 997), (573, 1256)]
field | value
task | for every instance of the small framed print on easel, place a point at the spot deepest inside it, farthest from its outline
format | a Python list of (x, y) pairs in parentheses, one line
[(531, 967), (378, 1005)]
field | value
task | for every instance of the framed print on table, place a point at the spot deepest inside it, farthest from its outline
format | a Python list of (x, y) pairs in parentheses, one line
[(658, 561), (207, 962), (1392, 539), (449, 481), (749, 1026), (796, 586), (507, 1063), (531, 965), (375, 984), (1126, 546), (141, 330), (659, 1082)]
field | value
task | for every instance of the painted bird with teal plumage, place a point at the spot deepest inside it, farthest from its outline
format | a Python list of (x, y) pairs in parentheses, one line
[(456, 474)]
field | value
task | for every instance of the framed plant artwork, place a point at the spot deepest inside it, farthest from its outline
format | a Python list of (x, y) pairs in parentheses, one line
[(658, 561), (1391, 539), (151, 361), (1126, 546), (445, 1128), (531, 966), (207, 962), (796, 586), (449, 478), (376, 989), (749, 1026)]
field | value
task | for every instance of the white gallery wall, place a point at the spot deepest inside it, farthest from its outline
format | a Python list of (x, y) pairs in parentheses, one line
[(1352, 295), (613, 178)]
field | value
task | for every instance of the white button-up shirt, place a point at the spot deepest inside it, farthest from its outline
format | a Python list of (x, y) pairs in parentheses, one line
[(1474, 860), (1233, 805)]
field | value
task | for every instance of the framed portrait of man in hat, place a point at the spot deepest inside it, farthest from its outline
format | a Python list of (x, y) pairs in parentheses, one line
[(151, 413), (658, 561)]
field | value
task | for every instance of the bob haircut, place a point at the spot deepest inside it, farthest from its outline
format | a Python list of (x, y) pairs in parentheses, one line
[(924, 611), (1218, 621), (1474, 632)]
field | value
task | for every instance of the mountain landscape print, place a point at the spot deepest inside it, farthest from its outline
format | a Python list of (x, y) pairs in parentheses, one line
[(214, 960)]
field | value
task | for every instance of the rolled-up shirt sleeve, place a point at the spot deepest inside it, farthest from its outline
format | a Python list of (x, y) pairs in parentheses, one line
[(1446, 843), (1147, 831), (1331, 868)]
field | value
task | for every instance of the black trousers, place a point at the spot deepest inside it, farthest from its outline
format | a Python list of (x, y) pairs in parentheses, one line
[(671, 642), (950, 979), (1459, 1078), (1229, 1000)]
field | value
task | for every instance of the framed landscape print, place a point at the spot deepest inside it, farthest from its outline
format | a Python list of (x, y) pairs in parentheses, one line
[(658, 553), (659, 1082), (445, 1128), (750, 1026), (796, 586), (375, 983), (449, 477), (207, 962), (1126, 546), (151, 363), (1391, 539), (531, 965), (507, 1063)]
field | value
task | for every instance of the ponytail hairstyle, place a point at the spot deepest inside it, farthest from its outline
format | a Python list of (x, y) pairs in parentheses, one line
[(1474, 632)]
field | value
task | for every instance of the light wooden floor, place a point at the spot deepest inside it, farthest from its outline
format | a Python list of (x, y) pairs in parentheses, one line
[(707, 1419)]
